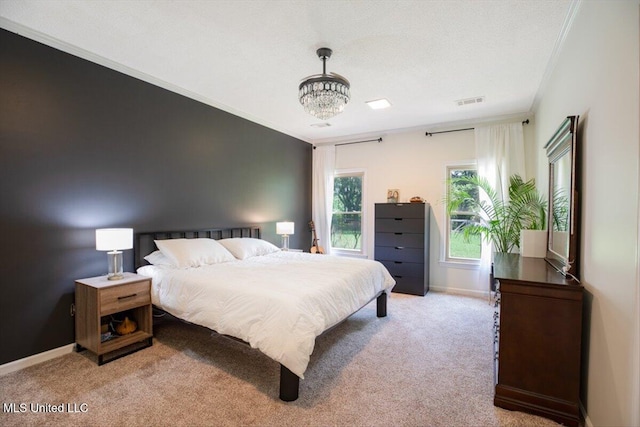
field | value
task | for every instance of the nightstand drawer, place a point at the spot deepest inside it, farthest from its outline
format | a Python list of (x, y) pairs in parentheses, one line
[(124, 297)]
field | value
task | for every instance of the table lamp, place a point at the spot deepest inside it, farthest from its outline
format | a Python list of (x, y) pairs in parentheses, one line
[(114, 240), (285, 229)]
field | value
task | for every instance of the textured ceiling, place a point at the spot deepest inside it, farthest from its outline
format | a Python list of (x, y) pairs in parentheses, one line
[(248, 57)]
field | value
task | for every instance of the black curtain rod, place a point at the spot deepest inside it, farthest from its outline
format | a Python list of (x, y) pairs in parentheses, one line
[(356, 142), (525, 122)]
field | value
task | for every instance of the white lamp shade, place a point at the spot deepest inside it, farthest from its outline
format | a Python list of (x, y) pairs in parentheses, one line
[(284, 228), (112, 239)]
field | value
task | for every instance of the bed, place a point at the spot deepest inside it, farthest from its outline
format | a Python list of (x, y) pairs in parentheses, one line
[(234, 283)]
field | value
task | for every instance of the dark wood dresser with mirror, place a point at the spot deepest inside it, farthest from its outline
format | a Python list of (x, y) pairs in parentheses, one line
[(538, 330), (538, 319)]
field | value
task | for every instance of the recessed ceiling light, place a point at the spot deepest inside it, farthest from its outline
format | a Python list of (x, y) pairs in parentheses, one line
[(321, 125), (379, 104)]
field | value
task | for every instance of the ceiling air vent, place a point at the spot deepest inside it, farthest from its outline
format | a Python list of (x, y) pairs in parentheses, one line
[(469, 101), (321, 125)]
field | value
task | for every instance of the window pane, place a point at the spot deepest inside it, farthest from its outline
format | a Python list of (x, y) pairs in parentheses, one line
[(346, 224), (472, 190), (346, 230), (461, 246), (347, 194)]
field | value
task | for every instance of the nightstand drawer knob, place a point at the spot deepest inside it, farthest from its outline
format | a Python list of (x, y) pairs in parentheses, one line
[(127, 296)]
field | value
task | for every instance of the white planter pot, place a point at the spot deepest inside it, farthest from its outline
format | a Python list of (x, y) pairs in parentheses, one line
[(533, 243)]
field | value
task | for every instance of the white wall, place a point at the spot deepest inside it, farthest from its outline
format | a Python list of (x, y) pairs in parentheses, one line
[(415, 164), (597, 77)]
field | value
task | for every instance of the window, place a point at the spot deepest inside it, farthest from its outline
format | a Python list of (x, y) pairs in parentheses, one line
[(346, 222), (459, 247)]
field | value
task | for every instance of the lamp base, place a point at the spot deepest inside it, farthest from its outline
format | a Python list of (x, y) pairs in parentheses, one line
[(115, 265), (285, 242)]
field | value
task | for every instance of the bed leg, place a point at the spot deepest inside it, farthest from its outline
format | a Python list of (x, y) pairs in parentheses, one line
[(289, 383), (382, 305)]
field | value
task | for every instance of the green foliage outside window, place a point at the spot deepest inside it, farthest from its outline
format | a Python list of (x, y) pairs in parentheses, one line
[(346, 223), (464, 216)]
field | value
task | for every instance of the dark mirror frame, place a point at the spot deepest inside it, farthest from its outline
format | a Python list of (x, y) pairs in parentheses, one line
[(564, 142)]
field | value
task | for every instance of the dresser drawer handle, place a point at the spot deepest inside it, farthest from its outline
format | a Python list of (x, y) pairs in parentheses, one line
[(127, 296), (398, 234), (398, 277), (399, 247), (397, 262), (398, 219)]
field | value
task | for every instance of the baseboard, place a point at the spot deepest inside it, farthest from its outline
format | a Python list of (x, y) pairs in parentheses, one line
[(587, 421), (460, 291), (16, 365)]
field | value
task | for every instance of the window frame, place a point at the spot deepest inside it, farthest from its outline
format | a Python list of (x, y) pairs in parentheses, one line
[(445, 258), (356, 253)]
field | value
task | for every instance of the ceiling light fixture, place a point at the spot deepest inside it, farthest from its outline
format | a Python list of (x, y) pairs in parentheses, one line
[(324, 95), (378, 104)]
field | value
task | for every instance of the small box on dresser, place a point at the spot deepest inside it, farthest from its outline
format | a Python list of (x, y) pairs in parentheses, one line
[(402, 244), (97, 298)]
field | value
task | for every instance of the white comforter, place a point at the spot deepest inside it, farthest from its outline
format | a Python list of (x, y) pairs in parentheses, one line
[(278, 303)]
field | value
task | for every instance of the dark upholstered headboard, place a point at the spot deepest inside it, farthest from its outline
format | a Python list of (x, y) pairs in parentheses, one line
[(143, 243)]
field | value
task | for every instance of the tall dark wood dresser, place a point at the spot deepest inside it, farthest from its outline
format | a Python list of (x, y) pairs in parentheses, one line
[(402, 244), (538, 333)]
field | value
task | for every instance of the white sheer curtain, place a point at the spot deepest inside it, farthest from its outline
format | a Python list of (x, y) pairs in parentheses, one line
[(500, 154), (324, 163)]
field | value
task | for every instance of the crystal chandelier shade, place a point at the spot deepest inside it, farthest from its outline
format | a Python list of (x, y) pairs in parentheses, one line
[(324, 95)]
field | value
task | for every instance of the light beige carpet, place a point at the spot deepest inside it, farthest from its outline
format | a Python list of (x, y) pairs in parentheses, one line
[(429, 363)]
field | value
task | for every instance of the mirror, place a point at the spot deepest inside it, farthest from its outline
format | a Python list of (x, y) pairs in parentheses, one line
[(562, 216)]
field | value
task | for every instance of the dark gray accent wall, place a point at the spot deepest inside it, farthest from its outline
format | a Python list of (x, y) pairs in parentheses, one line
[(85, 147)]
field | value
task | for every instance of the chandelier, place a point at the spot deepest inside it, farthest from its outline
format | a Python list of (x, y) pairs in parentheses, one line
[(324, 95)]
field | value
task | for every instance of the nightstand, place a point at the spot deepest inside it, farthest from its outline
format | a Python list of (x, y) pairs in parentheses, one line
[(97, 298)]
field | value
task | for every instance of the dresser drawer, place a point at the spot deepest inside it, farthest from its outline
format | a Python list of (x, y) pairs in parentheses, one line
[(124, 297), (400, 210), (391, 253), (400, 225), (407, 240), (404, 269), (410, 285)]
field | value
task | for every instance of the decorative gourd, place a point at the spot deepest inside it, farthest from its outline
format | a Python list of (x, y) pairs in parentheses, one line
[(127, 326)]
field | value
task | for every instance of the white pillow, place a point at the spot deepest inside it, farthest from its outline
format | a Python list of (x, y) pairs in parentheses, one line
[(185, 253), (158, 258), (247, 247)]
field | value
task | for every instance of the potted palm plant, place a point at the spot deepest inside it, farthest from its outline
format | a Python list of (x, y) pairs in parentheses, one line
[(499, 220)]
